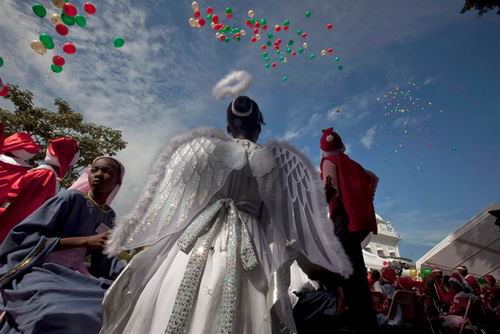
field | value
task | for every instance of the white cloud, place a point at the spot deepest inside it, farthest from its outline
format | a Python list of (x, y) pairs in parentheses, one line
[(367, 139)]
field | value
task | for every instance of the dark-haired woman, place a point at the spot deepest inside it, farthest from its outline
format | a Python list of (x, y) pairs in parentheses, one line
[(46, 286), (224, 219)]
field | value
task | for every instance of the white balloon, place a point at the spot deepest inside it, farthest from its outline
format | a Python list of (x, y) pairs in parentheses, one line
[(55, 19), (251, 13), (196, 6), (192, 22), (243, 32), (38, 47), (305, 45)]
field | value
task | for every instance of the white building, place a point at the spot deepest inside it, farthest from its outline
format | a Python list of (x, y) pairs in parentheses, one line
[(385, 243)]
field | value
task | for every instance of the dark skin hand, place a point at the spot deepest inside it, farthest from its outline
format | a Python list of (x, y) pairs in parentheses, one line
[(103, 177)]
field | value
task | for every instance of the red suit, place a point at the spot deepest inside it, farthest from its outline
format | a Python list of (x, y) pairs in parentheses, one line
[(355, 186), (16, 150), (38, 185), (20, 201)]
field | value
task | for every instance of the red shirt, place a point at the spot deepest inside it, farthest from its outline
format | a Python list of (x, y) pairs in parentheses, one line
[(26, 195)]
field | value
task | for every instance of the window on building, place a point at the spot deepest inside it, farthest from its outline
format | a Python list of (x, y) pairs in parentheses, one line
[(380, 253), (368, 249), (392, 254)]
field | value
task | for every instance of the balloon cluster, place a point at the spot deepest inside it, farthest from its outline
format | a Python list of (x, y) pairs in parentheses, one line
[(68, 16), (276, 49)]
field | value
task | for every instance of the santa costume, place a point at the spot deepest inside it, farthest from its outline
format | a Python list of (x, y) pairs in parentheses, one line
[(350, 190), (17, 149), (39, 184)]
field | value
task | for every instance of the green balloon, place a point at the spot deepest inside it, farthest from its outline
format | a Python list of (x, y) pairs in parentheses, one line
[(290, 42), (1, 61), (267, 58), (300, 50), (269, 43), (265, 54), (56, 69), (337, 58), (252, 21), (340, 67), (312, 56), (236, 30), (238, 38), (47, 41), (81, 21), (270, 36), (229, 10), (209, 17), (227, 40), (288, 51), (285, 78), (263, 22), (68, 20), (308, 13), (278, 52), (286, 23), (118, 42), (299, 32), (267, 65), (282, 58), (39, 10)]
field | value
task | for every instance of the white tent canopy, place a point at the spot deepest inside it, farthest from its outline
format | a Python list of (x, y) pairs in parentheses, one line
[(373, 261), (475, 245)]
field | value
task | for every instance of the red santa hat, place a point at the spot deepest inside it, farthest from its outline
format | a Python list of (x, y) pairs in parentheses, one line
[(472, 282), (331, 142), (457, 279), (21, 145), (62, 152), (490, 279), (406, 283), (388, 275)]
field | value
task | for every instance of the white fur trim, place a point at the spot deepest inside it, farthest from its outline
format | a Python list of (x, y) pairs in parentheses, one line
[(329, 138), (13, 161), (22, 154)]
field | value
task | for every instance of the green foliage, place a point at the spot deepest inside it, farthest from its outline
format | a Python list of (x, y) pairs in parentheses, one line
[(482, 6), (95, 140)]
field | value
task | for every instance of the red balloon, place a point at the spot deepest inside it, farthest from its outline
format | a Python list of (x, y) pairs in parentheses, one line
[(329, 26), (257, 24), (264, 27), (202, 21), (329, 50), (277, 28), (273, 65), (294, 53), (229, 16), (222, 38), (215, 19), (4, 91), (69, 48), (58, 61), (256, 31), (304, 35), (217, 27), (62, 29), (210, 10), (89, 8), (70, 9), (278, 41), (253, 39), (286, 28), (249, 24), (197, 14), (263, 47)]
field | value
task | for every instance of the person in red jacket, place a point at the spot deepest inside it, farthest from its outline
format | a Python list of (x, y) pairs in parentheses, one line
[(39, 184), (350, 190), (17, 149)]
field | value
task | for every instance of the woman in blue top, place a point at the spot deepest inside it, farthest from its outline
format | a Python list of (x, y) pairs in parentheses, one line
[(46, 286)]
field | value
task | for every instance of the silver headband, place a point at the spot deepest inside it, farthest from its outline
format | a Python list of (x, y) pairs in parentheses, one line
[(241, 114)]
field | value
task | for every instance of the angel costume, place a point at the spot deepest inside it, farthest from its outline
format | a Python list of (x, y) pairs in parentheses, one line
[(225, 218)]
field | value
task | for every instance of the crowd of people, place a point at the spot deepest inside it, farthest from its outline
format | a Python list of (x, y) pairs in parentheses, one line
[(223, 230)]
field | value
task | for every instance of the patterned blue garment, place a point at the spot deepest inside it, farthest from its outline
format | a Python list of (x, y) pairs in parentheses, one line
[(41, 296)]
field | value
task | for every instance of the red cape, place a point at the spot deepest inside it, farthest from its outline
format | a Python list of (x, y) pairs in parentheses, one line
[(356, 191), (9, 173), (26, 195)]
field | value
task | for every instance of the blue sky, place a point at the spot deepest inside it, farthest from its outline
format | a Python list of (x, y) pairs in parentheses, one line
[(160, 83)]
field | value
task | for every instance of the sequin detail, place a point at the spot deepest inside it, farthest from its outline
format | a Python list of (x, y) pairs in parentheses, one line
[(198, 239), (192, 277)]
